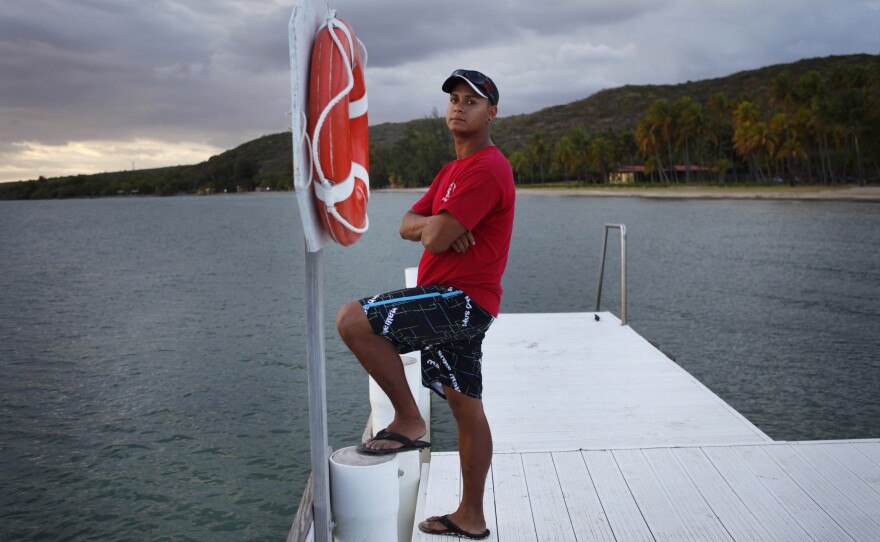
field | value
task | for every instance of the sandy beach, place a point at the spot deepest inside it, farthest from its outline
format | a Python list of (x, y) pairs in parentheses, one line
[(847, 193), (843, 193)]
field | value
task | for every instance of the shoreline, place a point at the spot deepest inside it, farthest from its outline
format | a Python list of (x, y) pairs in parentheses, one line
[(817, 193)]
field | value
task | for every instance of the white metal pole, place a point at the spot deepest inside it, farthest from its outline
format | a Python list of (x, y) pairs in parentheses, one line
[(317, 393)]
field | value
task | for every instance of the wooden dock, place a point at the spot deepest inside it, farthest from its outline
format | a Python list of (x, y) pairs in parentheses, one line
[(599, 436), (774, 492), (556, 382)]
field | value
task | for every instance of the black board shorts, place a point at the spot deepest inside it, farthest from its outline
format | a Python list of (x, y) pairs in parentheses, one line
[(441, 321)]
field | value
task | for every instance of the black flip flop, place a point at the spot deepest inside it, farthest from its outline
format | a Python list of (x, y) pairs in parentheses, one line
[(451, 529), (384, 434)]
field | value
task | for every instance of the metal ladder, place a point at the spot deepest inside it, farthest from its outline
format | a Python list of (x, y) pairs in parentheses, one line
[(622, 229)]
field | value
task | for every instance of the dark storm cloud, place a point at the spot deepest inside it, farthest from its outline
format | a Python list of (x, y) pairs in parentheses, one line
[(94, 69), (201, 73), (409, 31), (93, 63)]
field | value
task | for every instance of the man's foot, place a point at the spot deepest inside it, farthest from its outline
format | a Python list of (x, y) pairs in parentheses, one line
[(383, 436), (410, 432), (442, 525)]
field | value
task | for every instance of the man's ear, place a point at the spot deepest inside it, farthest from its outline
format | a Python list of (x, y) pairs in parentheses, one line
[(493, 112)]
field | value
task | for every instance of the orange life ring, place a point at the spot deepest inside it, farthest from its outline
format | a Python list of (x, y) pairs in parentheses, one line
[(339, 132)]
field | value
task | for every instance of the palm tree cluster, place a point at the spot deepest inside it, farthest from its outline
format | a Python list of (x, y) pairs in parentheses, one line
[(813, 130), (816, 129)]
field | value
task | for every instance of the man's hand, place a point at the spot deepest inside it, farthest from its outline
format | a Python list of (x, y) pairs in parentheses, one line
[(438, 233), (464, 242)]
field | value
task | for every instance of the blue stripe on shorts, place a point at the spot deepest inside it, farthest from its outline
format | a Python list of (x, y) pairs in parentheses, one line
[(411, 298)]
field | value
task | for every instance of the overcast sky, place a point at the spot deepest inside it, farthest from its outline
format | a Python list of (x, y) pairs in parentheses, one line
[(103, 85)]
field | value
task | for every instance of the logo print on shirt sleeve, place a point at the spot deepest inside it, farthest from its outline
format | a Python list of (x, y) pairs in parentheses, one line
[(449, 192)]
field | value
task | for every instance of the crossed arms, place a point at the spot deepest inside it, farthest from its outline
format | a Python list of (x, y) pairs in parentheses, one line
[(437, 233)]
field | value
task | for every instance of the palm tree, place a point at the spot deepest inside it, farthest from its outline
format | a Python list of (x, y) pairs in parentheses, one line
[(690, 126), (850, 106), (628, 148), (661, 118), (518, 163), (872, 123), (781, 94), (565, 154), (719, 129), (602, 155), (649, 135), (750, 136), (809, 93), (581, 141), (538, 153), (646, 139), (789, 147), (763, 142)]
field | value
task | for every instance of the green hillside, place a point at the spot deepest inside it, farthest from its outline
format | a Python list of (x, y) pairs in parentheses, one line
[(621, 108), (408, 153)]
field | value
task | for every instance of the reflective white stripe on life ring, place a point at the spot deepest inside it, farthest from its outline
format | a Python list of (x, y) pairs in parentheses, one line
[(339, 192), (357, 108)]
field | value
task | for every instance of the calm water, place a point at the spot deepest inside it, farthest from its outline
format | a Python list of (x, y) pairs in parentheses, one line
[(152, 377)]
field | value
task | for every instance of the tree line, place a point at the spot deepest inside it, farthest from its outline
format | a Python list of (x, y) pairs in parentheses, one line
[(228, 172), (816, 129), (822, 126)]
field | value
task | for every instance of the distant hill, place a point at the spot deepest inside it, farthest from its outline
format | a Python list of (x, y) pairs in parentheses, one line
[(621, 108), (265, 163)]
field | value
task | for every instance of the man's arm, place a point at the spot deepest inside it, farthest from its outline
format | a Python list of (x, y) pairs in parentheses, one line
[(437, 233)]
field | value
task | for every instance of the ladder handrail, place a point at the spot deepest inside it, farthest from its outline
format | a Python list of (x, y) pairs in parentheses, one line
[(622, 229)]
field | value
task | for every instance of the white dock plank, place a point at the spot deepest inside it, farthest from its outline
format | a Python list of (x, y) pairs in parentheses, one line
[(549, 512), (696, 516), (808, 514), (834, 501), (446, 495), (584, 508), (513, 511), (841, 467), (723, 501), (660, 514), (489, 507), (444, 487), (771, 514), (871, 451), (620, 508), (417, 535), (872, 467)]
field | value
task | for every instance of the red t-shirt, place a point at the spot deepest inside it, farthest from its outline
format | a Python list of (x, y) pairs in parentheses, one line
[(477, 191)]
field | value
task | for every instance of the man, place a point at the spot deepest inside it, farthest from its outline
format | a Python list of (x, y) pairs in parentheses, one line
[(464, 221)]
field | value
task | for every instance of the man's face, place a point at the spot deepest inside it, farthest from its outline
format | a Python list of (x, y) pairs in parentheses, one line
[(467, 111)]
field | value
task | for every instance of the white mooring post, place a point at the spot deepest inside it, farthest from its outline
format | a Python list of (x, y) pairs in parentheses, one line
[(365, 496)]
